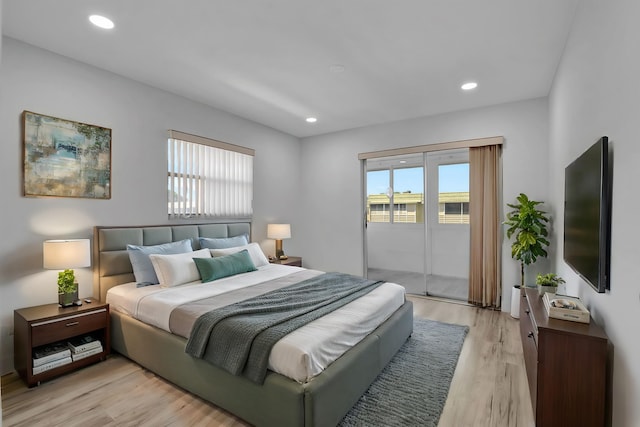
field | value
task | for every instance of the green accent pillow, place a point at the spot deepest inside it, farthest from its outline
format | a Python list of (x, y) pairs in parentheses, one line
[(216, 268)]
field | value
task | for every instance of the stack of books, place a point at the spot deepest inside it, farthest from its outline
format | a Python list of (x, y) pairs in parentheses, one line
[(50, 356), (85, 346)]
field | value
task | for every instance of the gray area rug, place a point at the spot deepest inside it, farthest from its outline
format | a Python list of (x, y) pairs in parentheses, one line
[(413, 388)]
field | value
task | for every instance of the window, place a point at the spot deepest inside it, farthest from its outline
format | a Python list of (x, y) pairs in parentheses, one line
[(457, 208), (377, 196), (453, 193), (208, 178), (400, 200)]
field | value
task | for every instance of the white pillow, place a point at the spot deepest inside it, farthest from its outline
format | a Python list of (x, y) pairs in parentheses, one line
[(139, 257), (254, 249), (178, 269)]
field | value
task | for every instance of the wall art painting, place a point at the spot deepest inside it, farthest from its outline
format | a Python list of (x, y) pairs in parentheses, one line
[(63, 158)]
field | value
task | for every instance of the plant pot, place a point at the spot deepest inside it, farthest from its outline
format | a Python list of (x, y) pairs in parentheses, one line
[(68, 299), (543, 289), (515, 302)]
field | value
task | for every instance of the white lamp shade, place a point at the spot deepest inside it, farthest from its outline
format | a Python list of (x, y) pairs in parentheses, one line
[(63, 254), (279, 231)]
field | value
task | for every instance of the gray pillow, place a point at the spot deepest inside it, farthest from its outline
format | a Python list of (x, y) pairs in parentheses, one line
[(229, 265), (139, 257), (224, 242)]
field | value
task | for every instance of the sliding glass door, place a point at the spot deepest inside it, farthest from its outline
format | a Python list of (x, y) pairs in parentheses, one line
[(395, 233), (447, 225), (417, 222)]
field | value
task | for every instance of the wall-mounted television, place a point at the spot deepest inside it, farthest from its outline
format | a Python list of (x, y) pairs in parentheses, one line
[(587, 215)]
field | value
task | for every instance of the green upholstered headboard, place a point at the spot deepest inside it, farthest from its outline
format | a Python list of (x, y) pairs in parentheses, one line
[(111, 265)]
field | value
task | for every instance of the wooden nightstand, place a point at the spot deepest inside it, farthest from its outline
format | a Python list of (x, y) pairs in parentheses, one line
[(46, 324), (295, 261)]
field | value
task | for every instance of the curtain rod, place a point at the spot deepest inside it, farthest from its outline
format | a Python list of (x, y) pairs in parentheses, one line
[(183, 136), (466, 143)]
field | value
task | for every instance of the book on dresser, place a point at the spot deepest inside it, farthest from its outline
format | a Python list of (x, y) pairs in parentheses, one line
[(86, 353), (84, 343), (50, 365), (50, 353)]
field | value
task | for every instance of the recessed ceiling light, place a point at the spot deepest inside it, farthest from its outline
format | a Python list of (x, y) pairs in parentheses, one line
[(336, 68), (469, 86), (311, 119), (101, 21), (403, 161)]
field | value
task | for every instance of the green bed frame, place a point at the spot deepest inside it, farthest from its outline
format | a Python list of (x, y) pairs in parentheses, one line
[(280, 401)]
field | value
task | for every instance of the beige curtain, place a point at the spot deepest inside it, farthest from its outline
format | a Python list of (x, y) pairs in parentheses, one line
[(485, 283)]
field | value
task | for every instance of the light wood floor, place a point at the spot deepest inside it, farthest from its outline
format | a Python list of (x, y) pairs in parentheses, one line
[(489, 387)]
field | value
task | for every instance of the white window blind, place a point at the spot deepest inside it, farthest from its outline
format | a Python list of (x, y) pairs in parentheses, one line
[(208, 178)]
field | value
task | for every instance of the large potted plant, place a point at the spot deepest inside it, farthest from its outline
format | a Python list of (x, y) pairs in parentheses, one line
[(67, 288), (528, 224)]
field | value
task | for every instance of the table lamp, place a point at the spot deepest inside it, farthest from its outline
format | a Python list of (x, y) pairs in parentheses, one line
[(279, 232), (64, 255)]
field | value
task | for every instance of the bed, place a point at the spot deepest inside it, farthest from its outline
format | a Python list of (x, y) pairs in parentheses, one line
[(320, 401)]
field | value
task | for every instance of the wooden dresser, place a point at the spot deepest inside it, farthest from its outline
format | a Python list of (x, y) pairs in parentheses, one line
[(566, 365)]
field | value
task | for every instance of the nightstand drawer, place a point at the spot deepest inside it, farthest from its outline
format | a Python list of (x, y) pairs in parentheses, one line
[(48, 331)]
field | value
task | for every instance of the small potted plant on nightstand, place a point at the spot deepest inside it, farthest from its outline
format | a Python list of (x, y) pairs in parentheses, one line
[(548, 283), (67, 288)]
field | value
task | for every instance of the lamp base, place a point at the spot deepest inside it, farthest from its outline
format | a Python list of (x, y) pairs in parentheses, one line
[(279, 252)]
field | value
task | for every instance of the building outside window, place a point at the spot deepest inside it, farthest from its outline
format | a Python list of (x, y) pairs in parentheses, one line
[(453, 208)]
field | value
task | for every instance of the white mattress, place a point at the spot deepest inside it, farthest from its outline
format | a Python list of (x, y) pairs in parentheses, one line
[(302, 354)]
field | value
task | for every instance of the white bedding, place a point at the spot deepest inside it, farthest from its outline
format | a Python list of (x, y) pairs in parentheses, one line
[(302, 354)]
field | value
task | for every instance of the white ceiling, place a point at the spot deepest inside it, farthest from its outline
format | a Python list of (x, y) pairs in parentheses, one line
[(270, 60)]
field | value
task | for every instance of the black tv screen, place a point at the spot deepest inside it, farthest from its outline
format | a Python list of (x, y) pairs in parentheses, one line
[(587, 215)]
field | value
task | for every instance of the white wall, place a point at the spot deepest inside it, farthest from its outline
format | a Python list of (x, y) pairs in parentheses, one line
[(595, 93), (331, 182), (139, 116)]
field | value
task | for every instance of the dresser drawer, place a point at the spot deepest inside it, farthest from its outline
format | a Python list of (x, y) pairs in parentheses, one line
[(528, 328), (47, 331)]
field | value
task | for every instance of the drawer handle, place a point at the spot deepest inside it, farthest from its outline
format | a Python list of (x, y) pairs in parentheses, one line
[(530, 335), (72, 324)]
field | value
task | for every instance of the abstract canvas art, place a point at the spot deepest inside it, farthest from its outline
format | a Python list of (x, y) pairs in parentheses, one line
[(63, 158)]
